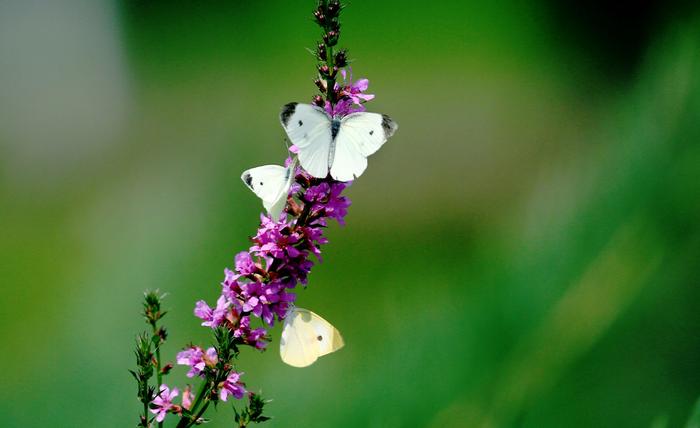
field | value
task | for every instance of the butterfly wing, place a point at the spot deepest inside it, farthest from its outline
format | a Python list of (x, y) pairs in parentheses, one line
[(309, 128), (360, 135), (271, 184), (306, 336)]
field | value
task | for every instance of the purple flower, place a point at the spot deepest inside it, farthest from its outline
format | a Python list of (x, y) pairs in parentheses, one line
[(327, 200), (337, 205), (197, 359), (229, 286), (212, 318), (243, 327), (343, 107), (244, 263), (351, 95), (257, 338), (231, 386), (354, 90), (192, 357), (163, 402), (317, 194)]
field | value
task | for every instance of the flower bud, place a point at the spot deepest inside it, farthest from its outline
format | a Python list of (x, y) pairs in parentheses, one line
[(324, 71), (162, 334), (321, 52), (331, 38), (334, 8), (166, 369), (319, 17), (321, 84), (341, 59), (319, 101), (294, 208)]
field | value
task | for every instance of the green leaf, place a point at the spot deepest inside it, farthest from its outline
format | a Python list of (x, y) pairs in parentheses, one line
[(694, 421)]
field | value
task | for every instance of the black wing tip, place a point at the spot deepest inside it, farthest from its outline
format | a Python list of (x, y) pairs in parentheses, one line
[(287, 112), (248, 180), (389, 125)]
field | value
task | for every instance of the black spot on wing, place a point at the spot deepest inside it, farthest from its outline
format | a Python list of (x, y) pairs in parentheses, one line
[(371, 132), (388, 125), (301, 123), (248, 180), (287, 112)]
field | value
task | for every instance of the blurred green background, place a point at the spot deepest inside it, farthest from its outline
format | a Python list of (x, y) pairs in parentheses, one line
[(523, 253)]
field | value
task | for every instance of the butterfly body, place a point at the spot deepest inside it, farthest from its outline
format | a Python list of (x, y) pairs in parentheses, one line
[(332, 144), (335, 127)]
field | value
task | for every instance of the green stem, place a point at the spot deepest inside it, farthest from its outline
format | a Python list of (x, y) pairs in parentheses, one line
[(330, 81), (159, 375), (200, 413), (145, 415), (200, 396)]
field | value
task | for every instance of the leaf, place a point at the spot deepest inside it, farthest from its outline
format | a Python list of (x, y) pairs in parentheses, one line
[(694, 420)]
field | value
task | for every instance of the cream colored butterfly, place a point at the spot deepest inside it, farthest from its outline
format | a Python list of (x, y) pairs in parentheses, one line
[(271, 183), (306, 336)]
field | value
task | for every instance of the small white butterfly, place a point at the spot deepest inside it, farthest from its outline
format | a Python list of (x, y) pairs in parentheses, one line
[(306, 336), (333, 144), (271, 183)]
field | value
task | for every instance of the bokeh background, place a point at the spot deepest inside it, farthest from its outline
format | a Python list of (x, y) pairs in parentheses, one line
[(523, 253)]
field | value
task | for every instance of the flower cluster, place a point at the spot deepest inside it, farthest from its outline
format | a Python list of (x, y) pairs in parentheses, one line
[(336, 98), (279, 259), (260, 285)]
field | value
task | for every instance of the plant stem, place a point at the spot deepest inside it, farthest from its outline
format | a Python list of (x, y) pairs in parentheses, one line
[(145, 415), (200, 395), (330, 81), (200, 413), (159, 375)]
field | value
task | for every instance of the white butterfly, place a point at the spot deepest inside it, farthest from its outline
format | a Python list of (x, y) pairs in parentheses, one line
[(271, 183), (338, 145), (306, 336)]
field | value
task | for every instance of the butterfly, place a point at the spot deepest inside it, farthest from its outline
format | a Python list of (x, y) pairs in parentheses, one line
[(306, 336), (334, 144), (271, 183)]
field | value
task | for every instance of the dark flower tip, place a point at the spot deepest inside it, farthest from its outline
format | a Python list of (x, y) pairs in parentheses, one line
[(341, 58), (320, 17), (331, 37), (334, 8), (320, 84), (324, 71), (321, 52), (319, 101)]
